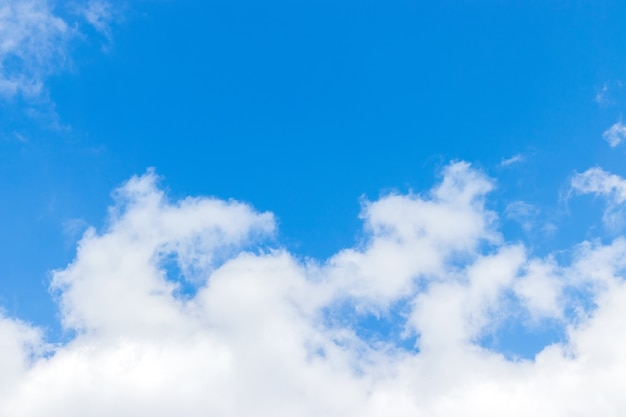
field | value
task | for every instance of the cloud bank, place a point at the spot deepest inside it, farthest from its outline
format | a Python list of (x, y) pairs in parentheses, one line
[(188, 308)]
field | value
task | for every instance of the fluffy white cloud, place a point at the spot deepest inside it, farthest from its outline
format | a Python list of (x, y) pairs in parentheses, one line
[(18, 343), (267, 334), (615, 134)]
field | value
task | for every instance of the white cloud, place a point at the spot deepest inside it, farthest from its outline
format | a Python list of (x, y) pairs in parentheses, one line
[(540, 288), (601, 95), (512, 160), (267, 334), (597, 181), (612, 187), (101, 14), (524, 213), (18, 342), (35, 41), (615, 134)]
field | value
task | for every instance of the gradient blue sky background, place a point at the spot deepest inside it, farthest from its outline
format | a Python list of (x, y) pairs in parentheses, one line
[(305, 108)]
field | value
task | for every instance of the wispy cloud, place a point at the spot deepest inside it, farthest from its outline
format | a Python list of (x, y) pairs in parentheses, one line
[(601, 95), (615, 134), (35, 41), (101, 15), (512, 160), (262, 325), (524, 213), (610, 186), (600, 182)]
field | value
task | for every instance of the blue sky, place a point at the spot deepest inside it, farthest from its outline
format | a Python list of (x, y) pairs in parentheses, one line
[(321, 113)]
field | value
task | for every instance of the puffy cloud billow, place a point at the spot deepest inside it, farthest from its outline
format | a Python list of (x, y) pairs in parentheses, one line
[(189, 308)]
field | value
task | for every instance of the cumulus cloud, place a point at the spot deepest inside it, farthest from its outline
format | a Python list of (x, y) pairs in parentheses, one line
[(615, 134), (264, 333)]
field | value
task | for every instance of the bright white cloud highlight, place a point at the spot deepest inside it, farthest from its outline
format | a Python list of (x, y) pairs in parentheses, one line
[(615, 134), (268, 334)]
